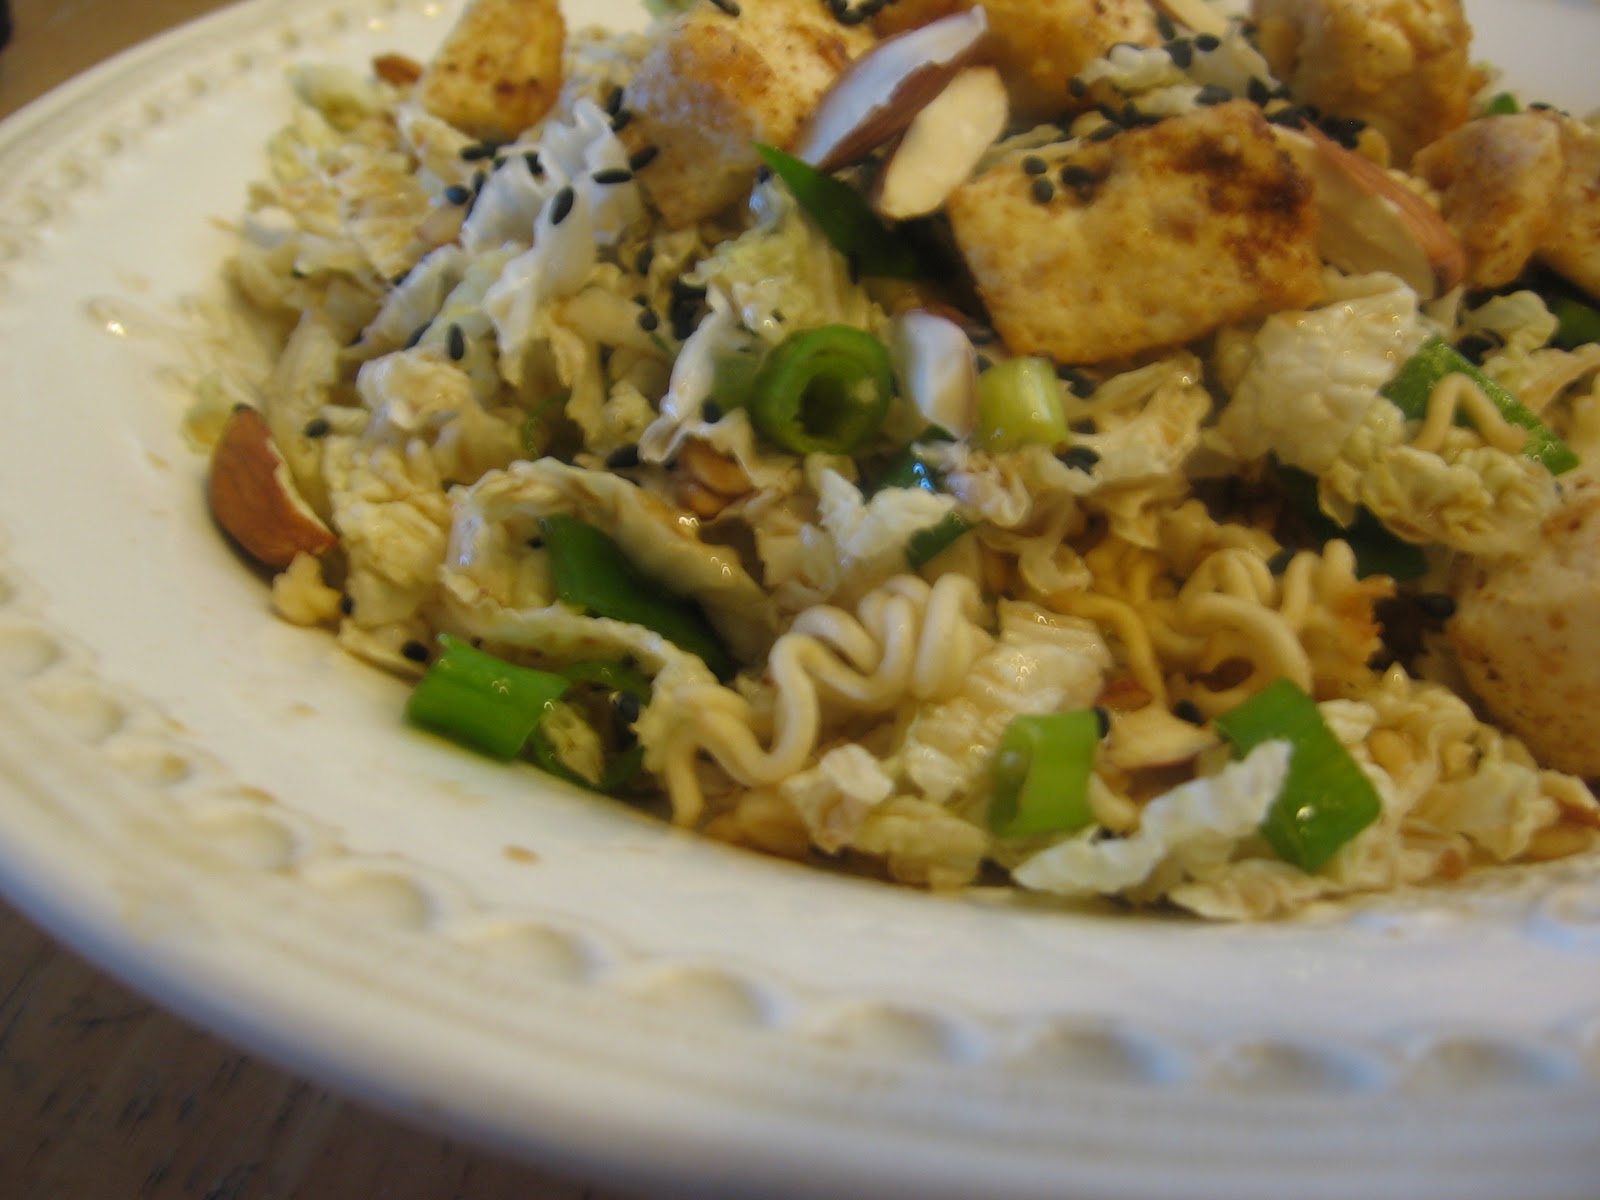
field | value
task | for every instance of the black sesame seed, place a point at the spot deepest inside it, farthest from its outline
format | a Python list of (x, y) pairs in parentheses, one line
[(711, 412), (457, 194), (1258, 91), (1102, 718), (643, 158), (1474, 347), (1207, 42), (613, 175), (1034, 165), (627, 707), (1279, 562), (1079, 458), (1077, 88), (1438, 605), (535, 543), (622, 120), (623, 458), (416, 652), (1165, 27), (1081, 180), (456, 343), (534, 165), (727, 6), (646, 260), (1188, 710), (561, 205), (479, 178), (1105, 132), (1292, 117), (1213, 93), (1077, 382), (1084, 426), (649, 321), (1181, 52), (317, 427), (478, 151), (1344, 130), (1043, 191), (347, 604), (614, 101)]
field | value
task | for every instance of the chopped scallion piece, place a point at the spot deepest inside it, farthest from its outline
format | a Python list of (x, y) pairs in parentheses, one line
[(1326, 798), (823, 390), (1378, 550), (481, 701), (925, 545), (1411, 389), (1502, 104), (1580, 322), (1041, 774), (876, 249), (1019, 404), (593, 574)]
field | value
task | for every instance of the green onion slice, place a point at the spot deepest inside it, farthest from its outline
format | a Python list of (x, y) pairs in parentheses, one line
[(823, 390), (481, 701), (1411, 388), (1580, 322), (1502, 104), (1019, 404), (592, 573), (875, 248), (1326, 798), (1378, 550), (1041, 774)]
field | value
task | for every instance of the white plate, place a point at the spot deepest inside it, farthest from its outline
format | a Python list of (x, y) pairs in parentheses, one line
[(229, 814)]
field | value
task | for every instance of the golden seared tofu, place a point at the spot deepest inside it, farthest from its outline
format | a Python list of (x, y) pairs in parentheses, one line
[(1519, 187), (723, 78), (1499, 183), (1101, 250), (499, 69), (1402, 66), (1039, 45)]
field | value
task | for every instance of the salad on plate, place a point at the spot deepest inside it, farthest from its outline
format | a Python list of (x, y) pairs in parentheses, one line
[(1135, 450)]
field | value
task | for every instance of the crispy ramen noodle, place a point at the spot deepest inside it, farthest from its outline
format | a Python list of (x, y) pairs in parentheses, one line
[(477, 336)]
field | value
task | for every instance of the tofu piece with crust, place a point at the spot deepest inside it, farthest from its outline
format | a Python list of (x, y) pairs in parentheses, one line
[(499, 69), (1147, 240), (1402, 66), (716, 83), (1038, 47), (1521, 187)]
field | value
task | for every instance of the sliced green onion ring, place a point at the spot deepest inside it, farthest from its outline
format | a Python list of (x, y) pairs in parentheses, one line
[(1041, 774), (1326, 798), (481, 701), (823, 390)]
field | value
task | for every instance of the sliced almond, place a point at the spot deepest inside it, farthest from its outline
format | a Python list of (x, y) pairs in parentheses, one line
[(1371, 221), (943, 144), (254, 499), (1196, 14), (883, 90), (938, 368)]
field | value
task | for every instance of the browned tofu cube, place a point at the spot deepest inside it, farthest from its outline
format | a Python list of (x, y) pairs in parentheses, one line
[(717, 83), (499, 69), (1402, 66), (1039, 45), (1150, 239)]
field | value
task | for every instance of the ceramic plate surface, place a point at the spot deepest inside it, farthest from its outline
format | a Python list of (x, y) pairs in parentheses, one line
[(228, 813)]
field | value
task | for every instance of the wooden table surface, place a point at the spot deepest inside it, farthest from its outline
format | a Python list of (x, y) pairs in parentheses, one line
[(102, 1095)]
